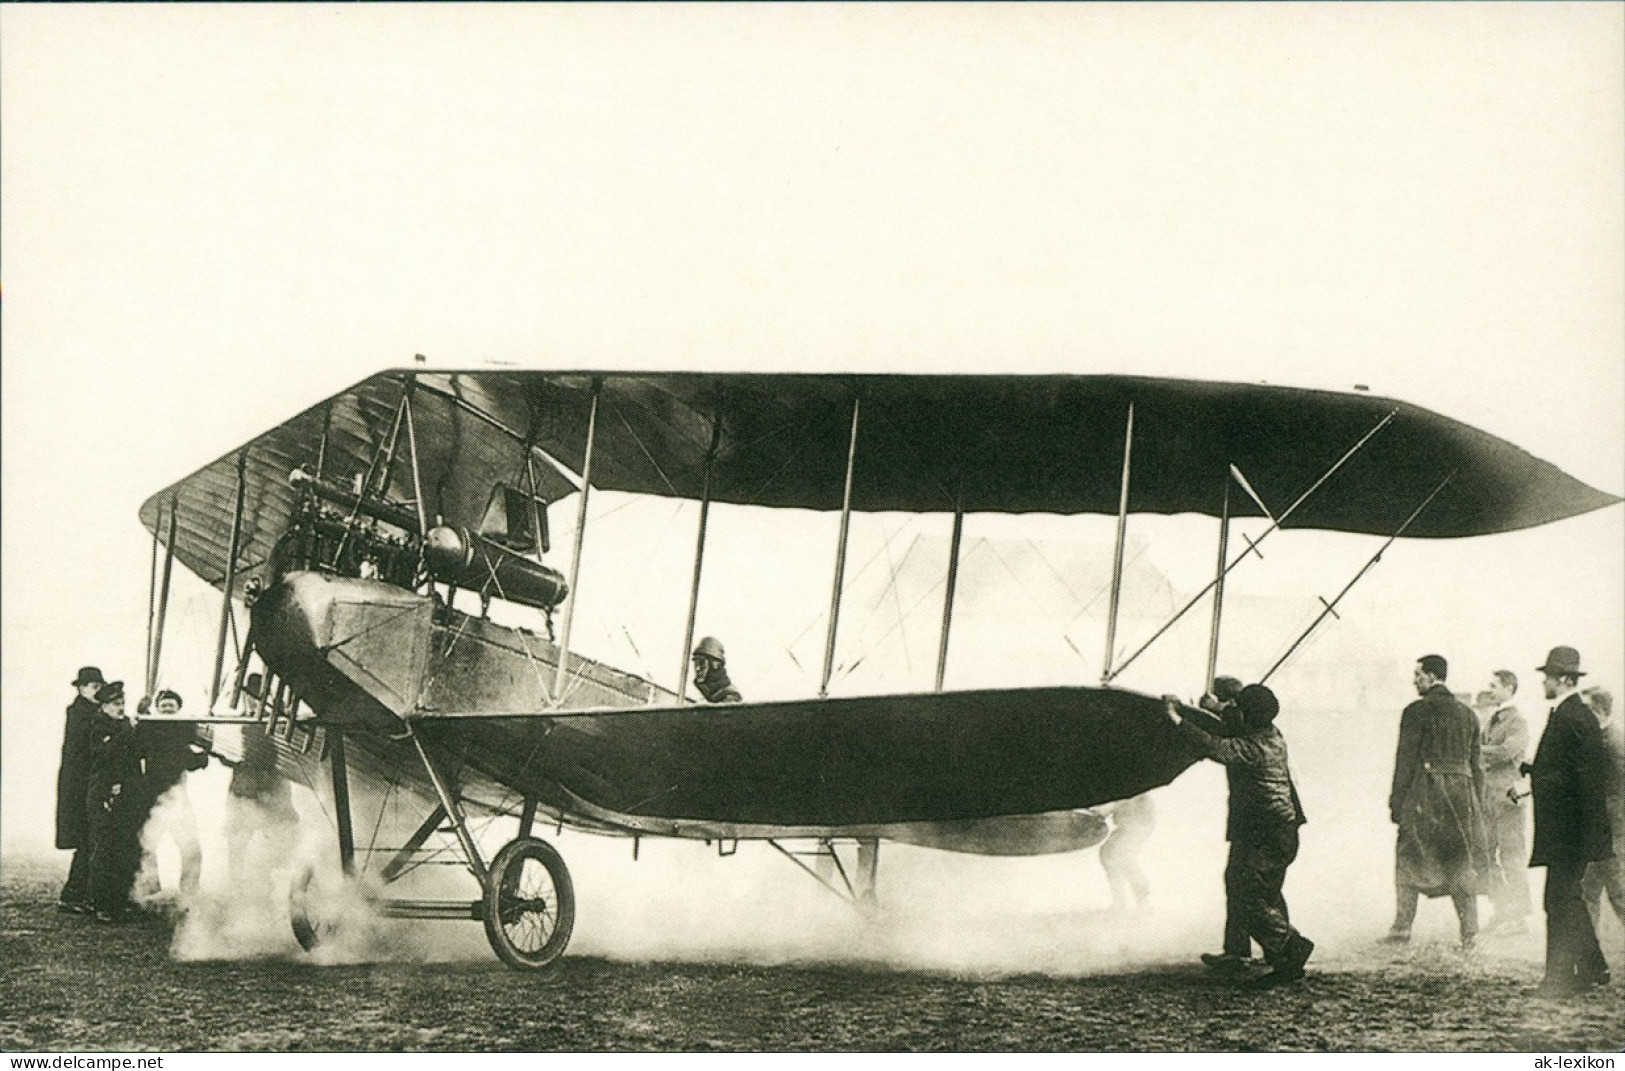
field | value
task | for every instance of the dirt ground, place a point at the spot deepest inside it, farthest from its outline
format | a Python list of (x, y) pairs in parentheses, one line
[(69, 984)]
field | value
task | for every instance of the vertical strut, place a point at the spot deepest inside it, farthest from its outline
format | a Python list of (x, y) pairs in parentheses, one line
[(412, 446), (341, 798), (321, 447), (1218, 587), (538, 532), (163, 594), (840, 556), (1253, 544), (948, 596), (1117, 553), (230, 579), (527, 817), (372, 468), (152, 595), (575, 560), (699, 557)]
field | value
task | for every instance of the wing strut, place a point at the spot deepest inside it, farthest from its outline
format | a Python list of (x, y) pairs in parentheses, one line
[(156, 640), (412, 446), (699, 557), (321, 446), (341, 798), (1330, 607), (1218, 587), (385, 452), (152, 597), (231, 577), (1117, 553), (840, 555), (953, 581), (1253, 544), (575, 558)]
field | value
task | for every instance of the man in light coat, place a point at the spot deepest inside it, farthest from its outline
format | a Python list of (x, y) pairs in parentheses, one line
[(1502, 745)]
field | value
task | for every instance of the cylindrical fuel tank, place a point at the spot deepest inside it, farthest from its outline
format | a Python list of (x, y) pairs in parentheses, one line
[(471, 562)]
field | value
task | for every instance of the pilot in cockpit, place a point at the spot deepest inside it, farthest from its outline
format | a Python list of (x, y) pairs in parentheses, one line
[(711, 673)]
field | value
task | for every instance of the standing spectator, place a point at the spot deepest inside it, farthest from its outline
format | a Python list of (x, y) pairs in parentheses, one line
[(1569, 780), (1264, 816), (111, 789), (168, 750), (71, 830), (1438, 783), (1608, 875), (1502, 745)]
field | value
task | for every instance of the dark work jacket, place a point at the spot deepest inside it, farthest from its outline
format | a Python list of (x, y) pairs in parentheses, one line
[(167, 752), (77, 737), (1569, 778), (1263, 798), (115, 763), (719, 689)]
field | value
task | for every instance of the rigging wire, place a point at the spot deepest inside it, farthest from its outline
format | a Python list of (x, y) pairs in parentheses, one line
[(636, 438)]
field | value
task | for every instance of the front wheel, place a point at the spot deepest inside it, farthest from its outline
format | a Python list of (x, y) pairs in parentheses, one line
[(315, 908), (530, 905)]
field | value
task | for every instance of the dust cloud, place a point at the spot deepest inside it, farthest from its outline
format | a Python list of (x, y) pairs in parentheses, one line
[(684, 901)]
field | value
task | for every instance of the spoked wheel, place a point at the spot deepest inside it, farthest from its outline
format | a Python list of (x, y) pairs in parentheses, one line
[(313, 910), (530, 905)]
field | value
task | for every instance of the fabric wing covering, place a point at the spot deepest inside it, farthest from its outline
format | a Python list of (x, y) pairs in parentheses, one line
[(1000, 444)]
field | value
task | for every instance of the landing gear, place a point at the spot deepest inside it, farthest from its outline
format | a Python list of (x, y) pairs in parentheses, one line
[(530, 904), (527, 900), (856, 888), (312, 911)]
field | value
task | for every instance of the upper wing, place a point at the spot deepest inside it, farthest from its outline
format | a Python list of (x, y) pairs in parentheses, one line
[(1006, 444)]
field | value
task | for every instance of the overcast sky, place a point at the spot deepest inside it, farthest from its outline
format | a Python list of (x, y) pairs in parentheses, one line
[(217, 216)]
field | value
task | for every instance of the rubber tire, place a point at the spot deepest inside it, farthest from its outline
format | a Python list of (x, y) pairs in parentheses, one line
[(307, 930), (505, 870)]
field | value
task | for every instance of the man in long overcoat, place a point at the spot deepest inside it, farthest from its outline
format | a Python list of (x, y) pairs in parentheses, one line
[(1569, 780), (1435, 802), (71, 832)]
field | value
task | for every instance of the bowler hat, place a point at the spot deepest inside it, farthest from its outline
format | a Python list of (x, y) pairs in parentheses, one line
[(89, 675), (1563, 662), (110, 693)]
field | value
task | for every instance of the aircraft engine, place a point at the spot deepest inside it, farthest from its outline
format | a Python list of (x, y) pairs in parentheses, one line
[(458, 557)]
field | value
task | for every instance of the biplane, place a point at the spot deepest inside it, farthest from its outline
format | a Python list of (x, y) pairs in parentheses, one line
[(348, 534)]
